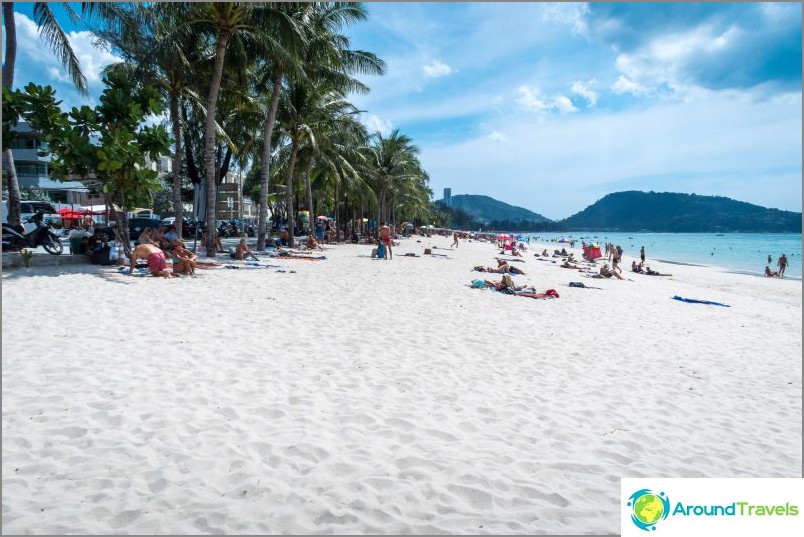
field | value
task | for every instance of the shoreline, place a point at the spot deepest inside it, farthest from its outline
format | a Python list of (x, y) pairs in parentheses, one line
[(357, 395)]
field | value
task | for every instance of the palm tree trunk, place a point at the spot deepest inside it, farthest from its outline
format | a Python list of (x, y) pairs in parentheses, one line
[(291, 221), (177, 205), (14, 205), (209, 136), (11, 45), (310, 218), (268, 132)]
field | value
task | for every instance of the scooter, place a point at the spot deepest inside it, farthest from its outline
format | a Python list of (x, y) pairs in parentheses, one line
[(41, 235)]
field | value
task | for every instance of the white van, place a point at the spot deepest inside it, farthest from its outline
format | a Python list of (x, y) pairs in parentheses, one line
[(30, 208)]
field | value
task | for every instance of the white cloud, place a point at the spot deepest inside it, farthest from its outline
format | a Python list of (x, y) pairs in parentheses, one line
[(375, 124), (572, 14), (436, 69), (532, 99), (717, 145), (582, 89), (625, 85), (498, 137), (36, 62)]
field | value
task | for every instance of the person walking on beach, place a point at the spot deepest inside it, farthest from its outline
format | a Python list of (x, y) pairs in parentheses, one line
[(642, 254), (782, 265), (385, 237), (455, 239)]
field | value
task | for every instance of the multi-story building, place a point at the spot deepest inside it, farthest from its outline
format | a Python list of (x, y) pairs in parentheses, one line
[(33, 170), (231, 188)]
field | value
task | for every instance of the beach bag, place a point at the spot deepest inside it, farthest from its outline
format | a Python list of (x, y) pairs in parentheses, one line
[(576, 284), (381, 251)]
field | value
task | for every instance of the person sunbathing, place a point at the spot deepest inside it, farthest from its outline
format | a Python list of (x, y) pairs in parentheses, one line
[(606, 273), (544, 253), (771, 273), (650, 272), (568, 265), (504, 267), (242, 252), (184, 260), (312, 244), (637, 268), (506, 283)]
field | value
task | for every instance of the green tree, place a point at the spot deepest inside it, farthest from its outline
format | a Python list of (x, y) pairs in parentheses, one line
[(104, 146)]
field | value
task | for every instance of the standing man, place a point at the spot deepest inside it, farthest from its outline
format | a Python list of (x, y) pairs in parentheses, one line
[(642, 254), (770, 260), (782, 265), (385, 237), (455, 239)]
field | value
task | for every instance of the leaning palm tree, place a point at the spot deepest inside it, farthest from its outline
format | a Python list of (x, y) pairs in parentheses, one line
[(321, 53), (52, 33)]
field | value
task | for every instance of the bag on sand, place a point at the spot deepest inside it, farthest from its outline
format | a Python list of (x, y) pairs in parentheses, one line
[(576, 284), (381, 251)]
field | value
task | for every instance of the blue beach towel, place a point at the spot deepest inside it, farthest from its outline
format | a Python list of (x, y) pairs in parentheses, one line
[(694, 301)]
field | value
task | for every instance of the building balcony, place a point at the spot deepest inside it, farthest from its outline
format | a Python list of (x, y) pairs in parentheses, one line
[(29, 155)]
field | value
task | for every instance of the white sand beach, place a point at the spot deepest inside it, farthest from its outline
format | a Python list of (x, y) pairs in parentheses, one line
[(369, 396)]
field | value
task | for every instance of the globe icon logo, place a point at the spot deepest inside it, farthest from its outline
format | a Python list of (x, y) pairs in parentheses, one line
[(648, 508)]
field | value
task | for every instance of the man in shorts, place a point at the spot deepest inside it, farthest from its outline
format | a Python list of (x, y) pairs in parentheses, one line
[(782, 265), (385, 237), (154, 256)]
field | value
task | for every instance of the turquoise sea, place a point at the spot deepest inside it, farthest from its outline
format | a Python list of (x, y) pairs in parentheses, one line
[(736, 252)]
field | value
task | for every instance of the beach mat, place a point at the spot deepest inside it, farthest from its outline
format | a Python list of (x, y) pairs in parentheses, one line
[(696, 301)]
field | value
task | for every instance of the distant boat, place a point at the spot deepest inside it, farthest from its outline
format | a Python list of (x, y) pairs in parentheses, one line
[(719, 235)]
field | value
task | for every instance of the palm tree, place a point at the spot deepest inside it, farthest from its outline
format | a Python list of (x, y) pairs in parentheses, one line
[(391, 161), (320, 54), (161, 49), (249, 26)]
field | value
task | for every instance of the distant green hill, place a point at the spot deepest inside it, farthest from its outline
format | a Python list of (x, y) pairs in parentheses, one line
[(673, 212), (486, 209)]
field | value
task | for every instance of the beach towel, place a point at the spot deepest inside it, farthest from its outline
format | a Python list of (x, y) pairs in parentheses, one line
[(695, 301)]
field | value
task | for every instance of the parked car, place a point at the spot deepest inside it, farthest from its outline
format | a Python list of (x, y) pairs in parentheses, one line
[(187, 227), (135, 227)]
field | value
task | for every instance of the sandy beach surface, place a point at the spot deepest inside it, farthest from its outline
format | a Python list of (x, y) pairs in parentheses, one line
[(357, 395)]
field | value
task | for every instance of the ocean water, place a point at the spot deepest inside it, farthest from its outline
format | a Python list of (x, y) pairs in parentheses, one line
[(737, 252)]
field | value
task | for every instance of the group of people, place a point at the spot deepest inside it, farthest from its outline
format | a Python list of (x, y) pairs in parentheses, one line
[(782, 264)]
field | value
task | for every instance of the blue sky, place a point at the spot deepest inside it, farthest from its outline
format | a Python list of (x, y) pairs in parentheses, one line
[(550, 106)]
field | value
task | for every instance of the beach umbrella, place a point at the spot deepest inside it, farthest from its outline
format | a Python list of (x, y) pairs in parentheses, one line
[(322, 217)]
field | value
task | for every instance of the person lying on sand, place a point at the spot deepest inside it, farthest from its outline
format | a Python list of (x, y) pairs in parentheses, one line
[(771, 273), (568, 265), (507, 283), (606, 273), (637, 268), (154, 256), (650, 272), (503, 267)]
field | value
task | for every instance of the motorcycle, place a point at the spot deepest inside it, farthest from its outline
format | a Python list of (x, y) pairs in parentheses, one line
[(41, 235)]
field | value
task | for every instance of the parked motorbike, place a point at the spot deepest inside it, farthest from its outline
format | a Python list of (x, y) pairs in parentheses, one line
[(41, 235)]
